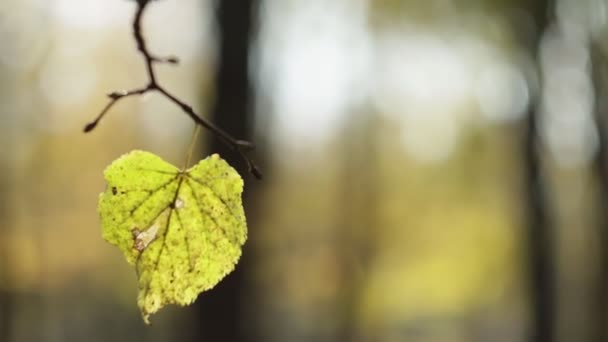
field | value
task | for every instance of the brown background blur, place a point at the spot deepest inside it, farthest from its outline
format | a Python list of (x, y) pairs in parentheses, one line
[(434, 170)]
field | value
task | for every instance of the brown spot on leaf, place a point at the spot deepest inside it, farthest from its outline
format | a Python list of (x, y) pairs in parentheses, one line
[(139, 245), (143, 238)]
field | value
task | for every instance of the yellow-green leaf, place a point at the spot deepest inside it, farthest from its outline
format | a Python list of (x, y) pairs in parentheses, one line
[(182, 229)]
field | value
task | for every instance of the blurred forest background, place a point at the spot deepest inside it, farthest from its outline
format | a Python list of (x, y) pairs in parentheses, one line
[(434, 170)]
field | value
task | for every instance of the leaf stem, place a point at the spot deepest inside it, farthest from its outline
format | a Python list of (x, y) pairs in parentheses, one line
[(197, 129)]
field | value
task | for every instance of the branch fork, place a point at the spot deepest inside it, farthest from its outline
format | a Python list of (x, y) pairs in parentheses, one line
[(240, 146)]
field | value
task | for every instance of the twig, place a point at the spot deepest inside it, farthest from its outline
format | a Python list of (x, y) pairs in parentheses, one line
[(240, 146)]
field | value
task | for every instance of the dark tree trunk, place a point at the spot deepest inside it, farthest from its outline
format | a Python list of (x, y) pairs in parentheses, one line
[(599, 313), (541, 235), (541, 240), (221, 309)]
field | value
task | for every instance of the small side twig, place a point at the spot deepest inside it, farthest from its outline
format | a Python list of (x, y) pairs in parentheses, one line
[(240, 146)]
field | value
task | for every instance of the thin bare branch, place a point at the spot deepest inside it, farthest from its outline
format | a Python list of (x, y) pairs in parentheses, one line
[(166, 60), (114, 97), (241, 146)]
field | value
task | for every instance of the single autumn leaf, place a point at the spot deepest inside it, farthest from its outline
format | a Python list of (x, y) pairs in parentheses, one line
[(182, 229)]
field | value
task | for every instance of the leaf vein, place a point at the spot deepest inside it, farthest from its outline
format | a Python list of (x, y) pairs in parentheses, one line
[(186, 239), (205, 184), (207, 213)]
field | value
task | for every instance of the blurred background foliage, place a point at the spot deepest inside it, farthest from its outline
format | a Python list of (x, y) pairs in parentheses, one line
[(395, 205)]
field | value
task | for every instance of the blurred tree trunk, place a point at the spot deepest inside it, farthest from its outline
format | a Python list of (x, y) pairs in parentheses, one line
[(7, 178), (541, 235), (6, 297), (600, 300), (357, 218), (222, 309)]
